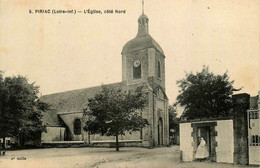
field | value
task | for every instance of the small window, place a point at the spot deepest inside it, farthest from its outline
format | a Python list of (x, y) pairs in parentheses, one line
[(77, 127), (254, 115), (255, 140), (137, 69), (158, 69)]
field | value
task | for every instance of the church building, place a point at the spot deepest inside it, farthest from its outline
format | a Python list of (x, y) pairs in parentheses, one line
[(143, 70)]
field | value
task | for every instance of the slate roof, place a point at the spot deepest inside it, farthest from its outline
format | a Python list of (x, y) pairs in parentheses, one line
[(74, 100), (69, 102), (141, 42), (50, 118)]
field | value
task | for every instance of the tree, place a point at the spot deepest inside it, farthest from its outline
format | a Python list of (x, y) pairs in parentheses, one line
[(113, 112), (173, 122), (205, 95), (20, 109), (173, 119)]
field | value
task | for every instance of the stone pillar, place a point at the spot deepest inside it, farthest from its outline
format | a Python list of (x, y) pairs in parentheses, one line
[(147, 114), (166, 113), (240, 126)]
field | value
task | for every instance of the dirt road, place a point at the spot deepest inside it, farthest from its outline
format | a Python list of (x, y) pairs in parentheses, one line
[(163, 157)]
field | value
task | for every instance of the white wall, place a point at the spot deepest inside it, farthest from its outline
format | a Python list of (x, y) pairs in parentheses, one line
[(254, 151), (53, 134), (255, 125), (186, 141), (12, 140), (69, 121), (225, 141)]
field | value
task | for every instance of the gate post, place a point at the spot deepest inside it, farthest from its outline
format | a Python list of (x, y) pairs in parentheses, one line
[(240, 126)]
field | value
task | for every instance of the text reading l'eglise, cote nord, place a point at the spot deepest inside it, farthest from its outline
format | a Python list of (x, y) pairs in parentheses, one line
[(74, 11)]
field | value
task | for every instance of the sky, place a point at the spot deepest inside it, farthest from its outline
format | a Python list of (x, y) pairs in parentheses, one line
[(62, 52)]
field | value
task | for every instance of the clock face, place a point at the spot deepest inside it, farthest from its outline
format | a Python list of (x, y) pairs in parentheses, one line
[(137, 63)]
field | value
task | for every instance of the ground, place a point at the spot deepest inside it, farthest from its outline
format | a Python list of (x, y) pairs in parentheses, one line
[(163, 157)]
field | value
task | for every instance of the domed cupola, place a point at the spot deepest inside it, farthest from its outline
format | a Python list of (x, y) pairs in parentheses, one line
[(143, 39), (143, 60), (143, 25)]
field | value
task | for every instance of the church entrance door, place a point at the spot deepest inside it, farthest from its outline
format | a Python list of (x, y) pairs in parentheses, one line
[(160, 132)]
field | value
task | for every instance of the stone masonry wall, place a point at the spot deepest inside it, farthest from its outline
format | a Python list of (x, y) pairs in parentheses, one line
[(240, 107)]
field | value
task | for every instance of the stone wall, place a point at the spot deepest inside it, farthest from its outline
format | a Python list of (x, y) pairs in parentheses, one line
[(241, 105), (122, 143), (127, 66)]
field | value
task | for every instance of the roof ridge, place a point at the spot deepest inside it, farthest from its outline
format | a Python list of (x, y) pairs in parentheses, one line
[(80, 89)]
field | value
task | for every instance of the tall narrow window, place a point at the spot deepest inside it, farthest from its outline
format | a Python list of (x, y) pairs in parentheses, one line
[(158, 69), (137, 70), (77, 127)]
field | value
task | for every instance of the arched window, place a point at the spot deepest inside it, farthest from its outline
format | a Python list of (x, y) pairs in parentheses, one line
[(158, 69), (77, 127), (137, 69)]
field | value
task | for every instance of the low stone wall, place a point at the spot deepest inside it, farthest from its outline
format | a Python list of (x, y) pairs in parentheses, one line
[(122, 143), (64, 144), (104, 144)]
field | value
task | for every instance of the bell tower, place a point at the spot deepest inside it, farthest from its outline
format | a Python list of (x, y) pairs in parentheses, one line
[(143, 70), (143, 58)]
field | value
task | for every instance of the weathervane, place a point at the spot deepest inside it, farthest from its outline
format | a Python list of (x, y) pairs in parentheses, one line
[(142, 6)]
